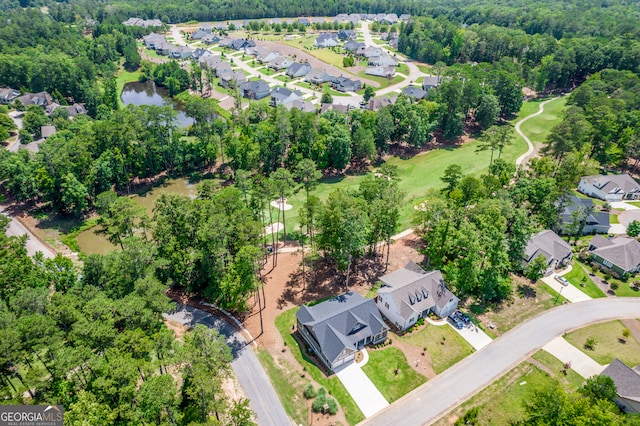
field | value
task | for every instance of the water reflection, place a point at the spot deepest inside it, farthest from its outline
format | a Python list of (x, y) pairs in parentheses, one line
[(139, 93)]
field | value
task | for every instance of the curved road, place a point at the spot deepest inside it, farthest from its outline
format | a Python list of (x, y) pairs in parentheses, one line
[(525, 137), (255, 383), (437, 397)]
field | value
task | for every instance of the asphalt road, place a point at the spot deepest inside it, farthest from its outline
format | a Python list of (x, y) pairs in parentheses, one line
[(33, 245), (435, 398), (257, 386)]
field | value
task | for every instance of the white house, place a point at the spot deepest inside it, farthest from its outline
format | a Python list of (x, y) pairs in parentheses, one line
[(610, 187), (411, 293)]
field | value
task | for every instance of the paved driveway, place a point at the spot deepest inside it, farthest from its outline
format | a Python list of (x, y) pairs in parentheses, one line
[(475, 336), (569, 292), (628, 216), (362, 390), (435, 398), (33, 245), (255, 382), (581, 363)]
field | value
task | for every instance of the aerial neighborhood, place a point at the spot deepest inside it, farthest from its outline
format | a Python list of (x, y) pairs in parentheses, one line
[(273, 214)]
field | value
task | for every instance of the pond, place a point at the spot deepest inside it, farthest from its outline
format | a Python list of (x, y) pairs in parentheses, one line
[(146, 93), (90, 242)]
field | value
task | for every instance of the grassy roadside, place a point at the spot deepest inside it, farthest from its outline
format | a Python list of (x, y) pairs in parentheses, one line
[(445, 346), (332, 384)]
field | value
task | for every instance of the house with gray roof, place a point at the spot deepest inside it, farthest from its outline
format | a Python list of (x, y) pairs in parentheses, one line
[(556, 251), (301, 105), (334, 107), (205, 26), (383, 60), (610, 187), (180, 52), (379, 71), (619, 254), (318, 77), (42, 99), (210, 61), (8, 95), (352, 46), (163, 48), (371, 51), (326, 40), (232, 79), (376, 104), (414, 92), (347, 34), (211, 38), (411, 293), (280, 63), (225, 42), (241, 43), (344, 84), (255, 89), (337, 328), (267, 56), (144, 23), (404, 17), (283, 96), (298, 69), (150, 40), (580, 212), (221, 26), (200, 52), (198, 35), (627, 381), (430, 81), (222, 68), (304, 21)]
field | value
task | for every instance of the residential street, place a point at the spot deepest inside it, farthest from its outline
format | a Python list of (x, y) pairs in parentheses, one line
[(33, 245), (255, 383), (430, 401)]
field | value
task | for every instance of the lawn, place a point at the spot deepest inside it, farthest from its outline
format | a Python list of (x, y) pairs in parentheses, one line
[(624, 288), (283, 78), (613, 218), (382, 81), (608, 346), (502, 402), (289, 387), (124, 77), (332, 384), (634, 203), (152, 54), (426, 69), (381, 369), (266, 71), (443, 356), (539, 127), (581, 280), (403, 69)]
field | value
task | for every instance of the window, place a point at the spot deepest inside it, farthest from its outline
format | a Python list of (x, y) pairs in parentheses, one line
[(386, 305), (425, 293), (411, 299)]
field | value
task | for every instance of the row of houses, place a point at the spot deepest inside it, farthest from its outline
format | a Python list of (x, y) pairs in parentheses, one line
[(337, 328), (41, 99), (162, 47), (144, 23)]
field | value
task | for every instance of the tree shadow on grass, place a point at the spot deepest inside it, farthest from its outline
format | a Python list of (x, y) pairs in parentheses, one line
[(526, 291)]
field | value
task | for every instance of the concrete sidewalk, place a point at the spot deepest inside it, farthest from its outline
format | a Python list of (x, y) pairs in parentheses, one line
[(569, 292), (362, 390), (581, 363)]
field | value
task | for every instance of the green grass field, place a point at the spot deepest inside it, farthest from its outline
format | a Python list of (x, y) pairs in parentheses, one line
[(403, 69), (613, 218), (571, 381), (332, 384), (539, 127), (578, 276), (608, 346), (381, 369), (634, 203), (382, 81), (443, 356)]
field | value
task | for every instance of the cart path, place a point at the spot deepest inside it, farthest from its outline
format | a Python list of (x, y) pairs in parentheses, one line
[(524, 156)]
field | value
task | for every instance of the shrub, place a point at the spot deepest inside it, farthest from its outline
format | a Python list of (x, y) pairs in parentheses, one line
[(333, 406), (591, 343), (614, 286), (420, 321), (318, 403), (309, 391)]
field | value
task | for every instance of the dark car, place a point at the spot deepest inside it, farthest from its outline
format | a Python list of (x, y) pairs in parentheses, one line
[(455, 321)]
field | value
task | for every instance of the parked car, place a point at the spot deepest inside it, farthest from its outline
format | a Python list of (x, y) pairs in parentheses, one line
[(562, 280), (455, 321), (463, 317)]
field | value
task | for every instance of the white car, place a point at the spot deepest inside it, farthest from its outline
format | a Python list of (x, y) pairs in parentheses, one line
[(562, 280)]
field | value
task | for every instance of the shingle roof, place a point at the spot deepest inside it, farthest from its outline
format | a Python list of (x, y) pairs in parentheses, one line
[(624, 252), (415, 290), (414, 92), (585, 204), (613, 183), (547, 243), (341, 322), (626, 379)]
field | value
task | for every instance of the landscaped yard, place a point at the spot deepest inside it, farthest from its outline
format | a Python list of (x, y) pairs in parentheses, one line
[(613, 218), (581, 280), (432, 337), (624, 289), (381, 369), (608, 344), (571, 381), (332, 384), (382, 81)]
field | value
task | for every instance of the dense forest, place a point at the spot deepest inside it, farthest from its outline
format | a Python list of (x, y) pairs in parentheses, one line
[(95, 342)]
